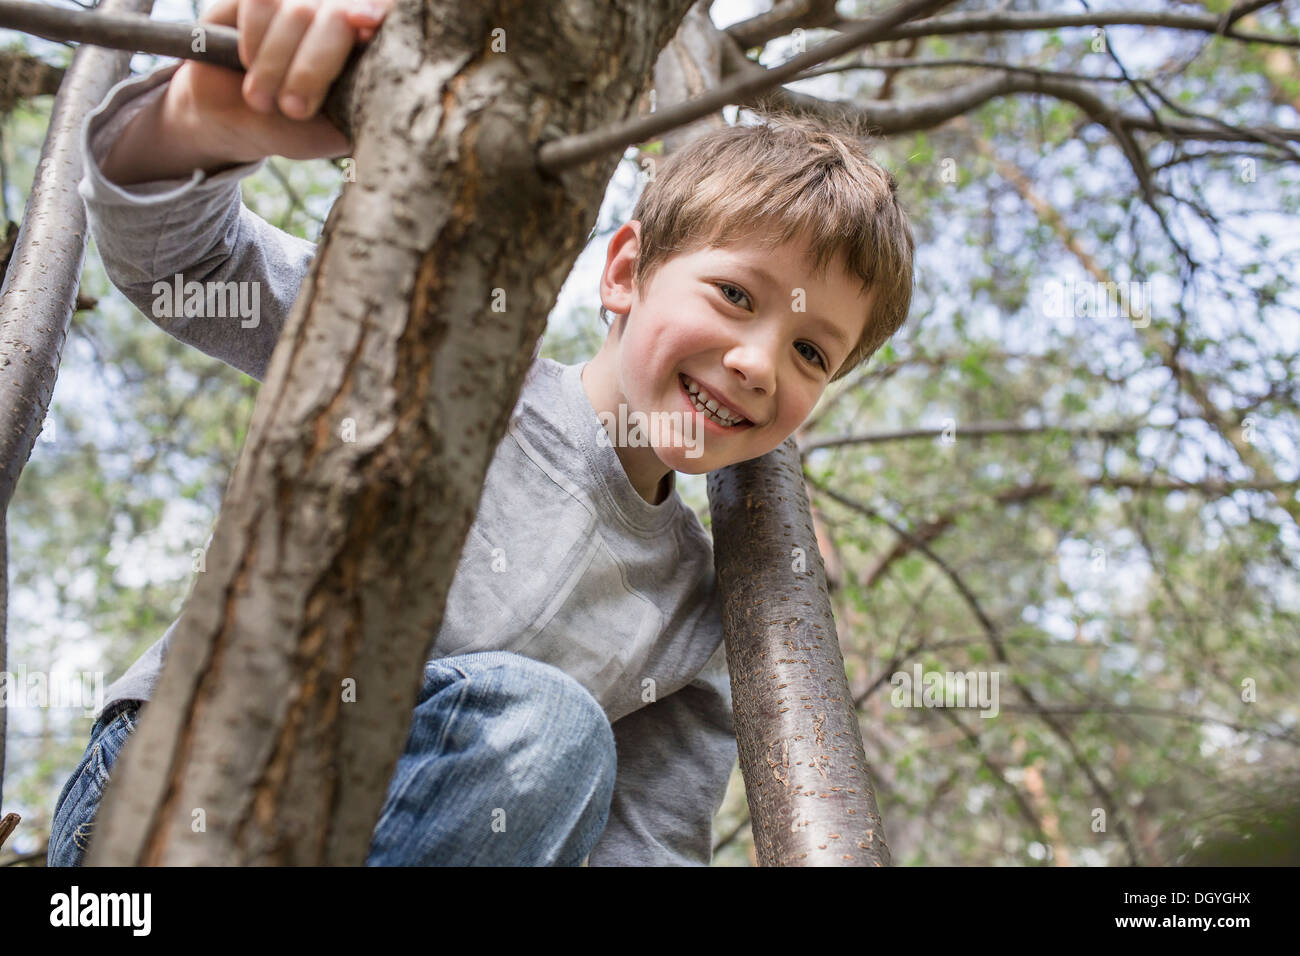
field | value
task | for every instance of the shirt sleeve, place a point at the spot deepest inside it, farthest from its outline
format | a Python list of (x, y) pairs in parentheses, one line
[(675, 758), (179, 231)]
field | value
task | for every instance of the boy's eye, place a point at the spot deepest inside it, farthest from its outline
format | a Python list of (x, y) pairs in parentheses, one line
[(816, 356), (724, 286)]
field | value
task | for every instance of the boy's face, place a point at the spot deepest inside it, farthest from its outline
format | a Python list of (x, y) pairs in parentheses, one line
[(764, 346)]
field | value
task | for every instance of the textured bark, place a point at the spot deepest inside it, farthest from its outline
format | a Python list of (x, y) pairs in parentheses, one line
[(690, 64), (40, 285), (332, 559), (811, 800)]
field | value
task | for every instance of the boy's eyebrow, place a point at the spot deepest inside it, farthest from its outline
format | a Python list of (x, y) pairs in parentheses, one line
[(831, 329)]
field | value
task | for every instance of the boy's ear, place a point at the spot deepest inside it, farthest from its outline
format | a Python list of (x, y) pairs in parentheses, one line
[(617, 287)]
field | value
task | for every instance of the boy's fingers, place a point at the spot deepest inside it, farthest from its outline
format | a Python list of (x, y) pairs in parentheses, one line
[(368, 12), (320, 58), (254, 18), (315, 138), (223, 12), (262, 84)]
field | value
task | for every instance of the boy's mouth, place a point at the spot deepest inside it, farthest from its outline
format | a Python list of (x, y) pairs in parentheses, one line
[(727, 421)]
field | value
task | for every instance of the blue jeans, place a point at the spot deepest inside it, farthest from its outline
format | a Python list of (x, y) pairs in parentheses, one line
[(509, 762)]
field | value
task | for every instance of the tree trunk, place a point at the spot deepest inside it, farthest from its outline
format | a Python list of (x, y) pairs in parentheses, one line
[(384, 401), (40, 284), (811, 800)]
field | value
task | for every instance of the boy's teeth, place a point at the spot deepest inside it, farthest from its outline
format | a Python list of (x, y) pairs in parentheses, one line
[(703, 400)]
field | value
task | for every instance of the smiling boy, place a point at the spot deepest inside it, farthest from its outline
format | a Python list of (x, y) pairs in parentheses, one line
[(576, 698), (761, 304), (683, 335)]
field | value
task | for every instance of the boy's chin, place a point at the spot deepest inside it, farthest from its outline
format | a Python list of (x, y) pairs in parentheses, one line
[(681, 460)]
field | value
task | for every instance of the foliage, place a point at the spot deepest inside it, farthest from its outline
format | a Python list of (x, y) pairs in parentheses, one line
[(1145, 637)]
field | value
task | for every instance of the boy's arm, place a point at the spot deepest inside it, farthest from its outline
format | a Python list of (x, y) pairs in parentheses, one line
[(675, 758), (198, 227)]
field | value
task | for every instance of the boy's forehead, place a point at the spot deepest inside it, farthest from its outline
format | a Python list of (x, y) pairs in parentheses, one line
[(785, 265)]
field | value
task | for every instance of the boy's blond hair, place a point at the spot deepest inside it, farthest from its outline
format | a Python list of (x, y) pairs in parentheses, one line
[(791, 175)]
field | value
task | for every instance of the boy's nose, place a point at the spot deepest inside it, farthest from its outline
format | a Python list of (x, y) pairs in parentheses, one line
[(750, 366)]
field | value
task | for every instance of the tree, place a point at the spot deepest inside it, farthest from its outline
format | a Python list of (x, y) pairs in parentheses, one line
[(53, 238), (407, 493), (394, 334), (1025, 541)]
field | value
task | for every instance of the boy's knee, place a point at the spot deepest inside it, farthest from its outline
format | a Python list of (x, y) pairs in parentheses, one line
[(558, 718), (73, 822)]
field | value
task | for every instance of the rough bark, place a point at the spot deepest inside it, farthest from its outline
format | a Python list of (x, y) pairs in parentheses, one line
[(691, 64), (331, 558), (40, 285), (811, 799)]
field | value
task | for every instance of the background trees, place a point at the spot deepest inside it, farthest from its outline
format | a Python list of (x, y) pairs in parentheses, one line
[(1124, 556)]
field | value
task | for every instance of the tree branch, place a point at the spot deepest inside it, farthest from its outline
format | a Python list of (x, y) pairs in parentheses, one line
[(1138, 711), (889, 118), (999, 650), (976, 430), (574, 150), (1018, 22), (124, 31), (39, 292), (781, 19)]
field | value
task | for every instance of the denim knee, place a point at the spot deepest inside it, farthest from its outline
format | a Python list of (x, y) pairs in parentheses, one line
[(563, 726), (74, 812), (509, 762)]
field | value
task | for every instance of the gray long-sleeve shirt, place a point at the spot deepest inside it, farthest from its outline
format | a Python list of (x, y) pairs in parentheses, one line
[(565, 563)]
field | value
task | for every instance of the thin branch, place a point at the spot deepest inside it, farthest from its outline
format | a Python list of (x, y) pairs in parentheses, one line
[(758, 30), (569, 151), (1263, 157), (295, 200), (995, 641), (124, 31), (785, 16), (1137, 711), (1016, 22), (976, 430), (999, 774), (888, 118), (735, 831), (1137, 156), (1269, 138), (939, 63), (1244, 8)]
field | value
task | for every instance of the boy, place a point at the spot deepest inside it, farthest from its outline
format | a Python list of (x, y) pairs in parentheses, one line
[(577, 691)]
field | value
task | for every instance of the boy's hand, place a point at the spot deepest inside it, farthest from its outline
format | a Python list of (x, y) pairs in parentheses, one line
[(293, 50)]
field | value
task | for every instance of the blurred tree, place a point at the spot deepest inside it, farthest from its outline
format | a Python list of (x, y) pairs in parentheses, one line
[(1076, 466)]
